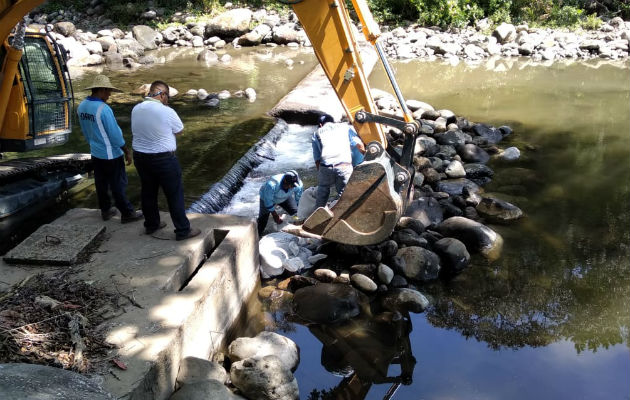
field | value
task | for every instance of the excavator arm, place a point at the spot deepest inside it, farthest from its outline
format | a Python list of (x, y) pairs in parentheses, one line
[(379, 188)]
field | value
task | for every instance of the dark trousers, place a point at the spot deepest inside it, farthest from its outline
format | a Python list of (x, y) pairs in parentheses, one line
[(162, 170), (111, 175), (263, 214)]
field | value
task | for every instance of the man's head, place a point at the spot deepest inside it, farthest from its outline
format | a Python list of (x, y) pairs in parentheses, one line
[(159, 91), (102, 88), (325, 118), (289, 180)]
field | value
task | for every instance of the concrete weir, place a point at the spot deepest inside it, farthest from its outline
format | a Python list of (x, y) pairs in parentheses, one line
[(185, 294)]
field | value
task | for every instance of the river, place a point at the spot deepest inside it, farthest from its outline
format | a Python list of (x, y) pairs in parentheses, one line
[(550, 319)]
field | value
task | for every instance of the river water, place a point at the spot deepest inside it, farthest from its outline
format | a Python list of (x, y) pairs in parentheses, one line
[(549, 319)]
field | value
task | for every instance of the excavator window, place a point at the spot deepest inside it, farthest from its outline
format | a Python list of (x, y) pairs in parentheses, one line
[(45, 94)]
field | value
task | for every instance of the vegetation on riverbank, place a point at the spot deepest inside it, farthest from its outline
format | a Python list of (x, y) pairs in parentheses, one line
[(587, 14)]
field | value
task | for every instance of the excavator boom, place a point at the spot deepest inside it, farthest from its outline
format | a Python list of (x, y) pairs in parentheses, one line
[(377, 192)]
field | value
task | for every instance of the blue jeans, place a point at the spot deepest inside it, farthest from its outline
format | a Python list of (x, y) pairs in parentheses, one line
[(263, 214), (328, 176), (111, 175), (162, 170)]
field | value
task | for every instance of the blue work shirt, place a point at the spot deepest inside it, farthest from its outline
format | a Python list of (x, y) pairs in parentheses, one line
[(357, 156), (271, 192), (100, 128)]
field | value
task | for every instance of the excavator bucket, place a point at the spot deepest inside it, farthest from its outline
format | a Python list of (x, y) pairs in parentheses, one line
[(370, 206)]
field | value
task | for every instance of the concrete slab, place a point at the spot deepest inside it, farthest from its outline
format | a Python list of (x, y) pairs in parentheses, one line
[(187, 293), (54, 244)]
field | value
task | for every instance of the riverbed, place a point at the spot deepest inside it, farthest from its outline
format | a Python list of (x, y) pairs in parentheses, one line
[(547, 320)]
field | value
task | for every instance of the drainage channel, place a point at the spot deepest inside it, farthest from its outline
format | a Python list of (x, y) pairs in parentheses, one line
[(217, 237)]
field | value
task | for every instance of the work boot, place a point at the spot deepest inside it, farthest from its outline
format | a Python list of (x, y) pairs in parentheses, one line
[(191, 234), (150, 231), (133, 216), (108, 214)]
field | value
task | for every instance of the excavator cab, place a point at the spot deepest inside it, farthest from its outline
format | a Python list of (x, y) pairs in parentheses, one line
[(39, 100), (377, 193)]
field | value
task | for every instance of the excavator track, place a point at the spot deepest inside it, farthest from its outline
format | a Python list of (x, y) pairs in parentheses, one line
[(20, 168)]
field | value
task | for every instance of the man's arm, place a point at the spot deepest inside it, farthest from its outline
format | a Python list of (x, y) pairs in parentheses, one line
[(317, 149), (267, 199), (176, 124)]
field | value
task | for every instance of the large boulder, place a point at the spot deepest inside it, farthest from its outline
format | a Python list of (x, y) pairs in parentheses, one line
[(193, 369), (256, 36), (477, 237), (505, 33), (264, 344), (489, 133), (286, 33), (266, 378), (78, 54), (426, 210), (327, 303), (232, 23), (29, 381), (455, 187), (146, 36), (497, 210), (420, 264), (130, 48), (66, 28), (454, 256), (472, 153), (404, 300), (202, 390)]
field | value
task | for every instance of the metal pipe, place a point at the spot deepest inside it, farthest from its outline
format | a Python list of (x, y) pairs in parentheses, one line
[(392, 80)]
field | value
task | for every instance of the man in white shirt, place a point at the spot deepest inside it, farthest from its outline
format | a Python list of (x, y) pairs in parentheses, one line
[(154, 126)]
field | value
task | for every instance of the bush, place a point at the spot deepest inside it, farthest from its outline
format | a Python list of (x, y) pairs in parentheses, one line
[(591, 22), (565, 16)]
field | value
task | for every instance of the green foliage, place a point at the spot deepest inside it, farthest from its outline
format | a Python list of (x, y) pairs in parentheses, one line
[(591, 22), (458, 13), (565, 16)]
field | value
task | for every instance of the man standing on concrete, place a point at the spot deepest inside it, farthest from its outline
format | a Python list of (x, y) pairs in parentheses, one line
[(107, 147), (333, 157), (154, 126), (284, 190)]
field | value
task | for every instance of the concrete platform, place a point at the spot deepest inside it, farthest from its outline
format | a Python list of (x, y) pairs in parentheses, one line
[(188, 302)]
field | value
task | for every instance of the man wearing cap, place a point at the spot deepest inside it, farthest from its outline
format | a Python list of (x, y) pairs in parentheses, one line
[(284, 190), (154, 126), (107, 147), (332, 151)]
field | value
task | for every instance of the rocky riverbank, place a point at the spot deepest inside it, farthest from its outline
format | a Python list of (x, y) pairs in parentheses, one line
[(236, 27)]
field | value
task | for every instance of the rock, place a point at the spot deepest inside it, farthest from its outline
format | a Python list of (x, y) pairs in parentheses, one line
[(498, 211), (385, 274), (208, 389), (197, 41), (491, 134), (226, 58), (389, 248), (415, 105), (250, 94), (193, 369), (325, 275), (369, 255), (285, 34), (297, 282), (431, 175), (420, 264), (232, 23), (106, 42), (146, 36), (94, 59), (363, 283), (130, 48), (256, 36), (426, 210), (207, 56), (65, 28), (505, 33), (454, 256), (475, 170), (411, 223), (264, 344), (408, 237), (398, 281), (477, 237), (146, 60), (404, 300), (365, 269), (455, 187), (510, 154), (452, 138), (264, 379), (202, 94), (223, 95), (326, 303), (29, 381), (455, 170), (113, 58), (76, 50), (426, 146), (471, 153)]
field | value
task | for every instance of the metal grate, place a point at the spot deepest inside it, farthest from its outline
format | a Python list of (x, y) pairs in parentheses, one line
[(46, 97)]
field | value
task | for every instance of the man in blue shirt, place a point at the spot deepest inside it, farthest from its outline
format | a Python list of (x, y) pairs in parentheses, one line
[(107, 147), (333, 148), (284, 190)]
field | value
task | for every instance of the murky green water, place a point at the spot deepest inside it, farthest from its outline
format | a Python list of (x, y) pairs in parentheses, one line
[(550, 319)]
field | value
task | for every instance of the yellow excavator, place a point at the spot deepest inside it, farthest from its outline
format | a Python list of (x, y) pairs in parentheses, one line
[(35, 90), (379, 189)]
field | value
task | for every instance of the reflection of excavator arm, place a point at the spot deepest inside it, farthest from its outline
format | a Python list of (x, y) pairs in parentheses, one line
[(380, 187)]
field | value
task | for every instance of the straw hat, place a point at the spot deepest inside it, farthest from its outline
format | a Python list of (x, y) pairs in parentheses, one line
[(101, 81)]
